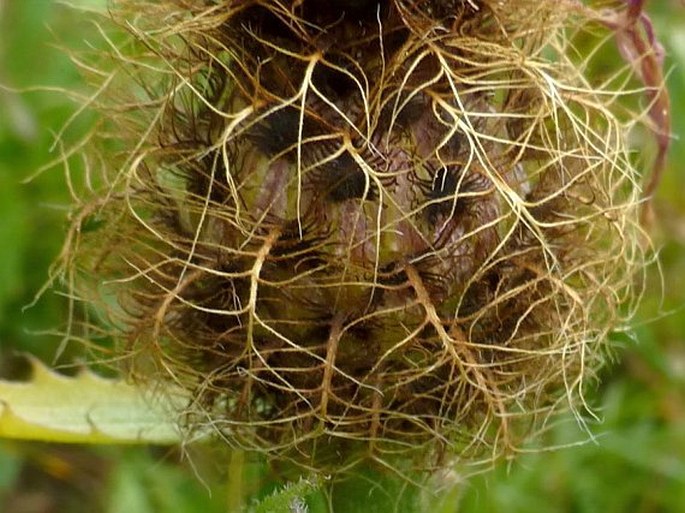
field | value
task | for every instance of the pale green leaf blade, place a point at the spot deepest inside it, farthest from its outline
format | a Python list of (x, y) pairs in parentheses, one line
[(84, 409)]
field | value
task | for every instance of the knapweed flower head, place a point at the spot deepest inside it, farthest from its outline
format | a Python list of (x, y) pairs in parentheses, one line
[(363, 229)]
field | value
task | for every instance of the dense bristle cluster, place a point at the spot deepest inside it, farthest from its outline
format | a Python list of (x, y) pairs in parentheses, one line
[(357, 228)]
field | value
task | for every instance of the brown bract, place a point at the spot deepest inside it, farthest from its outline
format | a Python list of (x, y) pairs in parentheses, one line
[(362, 229)]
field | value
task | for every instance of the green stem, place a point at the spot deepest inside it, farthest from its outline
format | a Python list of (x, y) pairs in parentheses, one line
[(236, 488), (370, 490)]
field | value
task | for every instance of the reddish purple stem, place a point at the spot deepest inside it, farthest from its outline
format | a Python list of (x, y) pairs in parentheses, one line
[(638, 44)]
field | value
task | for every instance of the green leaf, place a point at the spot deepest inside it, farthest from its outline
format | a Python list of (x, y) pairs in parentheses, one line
[(289, 499), (85, 409)]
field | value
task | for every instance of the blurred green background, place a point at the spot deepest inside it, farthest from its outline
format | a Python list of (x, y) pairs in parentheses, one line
[(637, 463)]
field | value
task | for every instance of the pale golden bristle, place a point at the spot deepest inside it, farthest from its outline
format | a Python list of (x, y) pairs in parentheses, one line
[(363, 229)]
